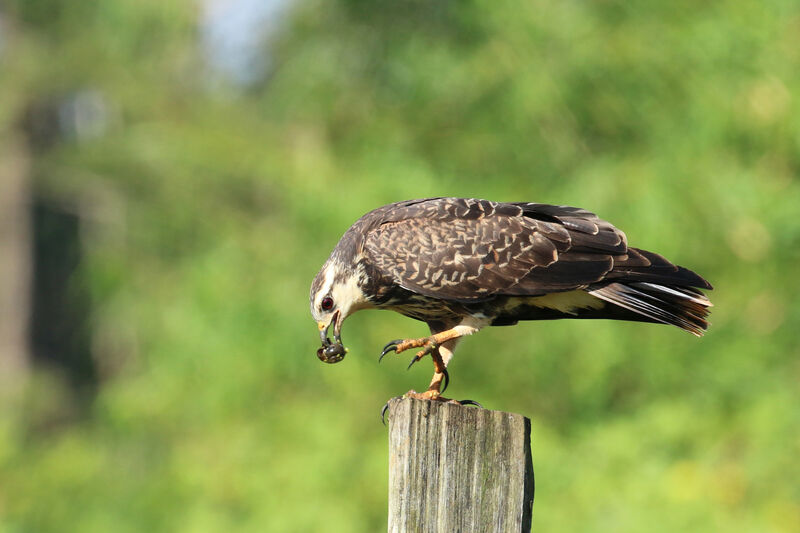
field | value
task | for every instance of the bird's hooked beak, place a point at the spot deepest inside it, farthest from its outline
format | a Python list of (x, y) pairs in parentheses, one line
[(331, 352)]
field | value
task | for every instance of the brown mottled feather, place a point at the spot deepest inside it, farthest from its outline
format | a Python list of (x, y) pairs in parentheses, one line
[(469, 251)]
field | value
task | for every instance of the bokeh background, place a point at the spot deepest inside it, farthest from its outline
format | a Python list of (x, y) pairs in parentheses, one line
[(173, 174)]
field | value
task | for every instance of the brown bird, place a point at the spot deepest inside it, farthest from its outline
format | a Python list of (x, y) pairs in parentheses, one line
[(460, 264)]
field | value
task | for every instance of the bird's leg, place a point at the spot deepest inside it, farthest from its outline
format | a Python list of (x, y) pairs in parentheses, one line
[(441, 356), (440, 345), (428, 344), (440, 375)]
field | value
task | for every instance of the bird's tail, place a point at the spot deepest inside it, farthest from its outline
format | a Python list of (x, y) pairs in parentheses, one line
[(684, 307)]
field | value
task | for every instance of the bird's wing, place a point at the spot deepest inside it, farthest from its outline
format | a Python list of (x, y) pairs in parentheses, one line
[(468, 250)]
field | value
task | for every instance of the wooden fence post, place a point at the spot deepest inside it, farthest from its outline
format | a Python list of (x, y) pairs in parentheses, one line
[(454, 468)]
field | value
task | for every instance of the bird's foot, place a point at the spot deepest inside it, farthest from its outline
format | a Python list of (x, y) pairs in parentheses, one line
[(435, 395), (428, 345), (430, 395)]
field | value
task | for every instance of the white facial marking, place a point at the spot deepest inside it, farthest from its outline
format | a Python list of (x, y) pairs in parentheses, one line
[(326, 285), (348, 296), (343, 289)]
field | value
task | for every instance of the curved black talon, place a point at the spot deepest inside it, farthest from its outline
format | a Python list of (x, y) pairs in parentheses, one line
[(471, 402), (382, 354), (391, 346), (383, 412), (446, 381), (429, 348)]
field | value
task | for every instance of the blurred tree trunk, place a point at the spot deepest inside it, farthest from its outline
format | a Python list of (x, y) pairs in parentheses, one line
[(15, 261)]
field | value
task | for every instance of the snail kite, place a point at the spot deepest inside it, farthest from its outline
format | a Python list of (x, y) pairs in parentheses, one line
[(461, 264)]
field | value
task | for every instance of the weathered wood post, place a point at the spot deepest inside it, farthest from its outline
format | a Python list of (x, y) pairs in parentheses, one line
[(454, 468)]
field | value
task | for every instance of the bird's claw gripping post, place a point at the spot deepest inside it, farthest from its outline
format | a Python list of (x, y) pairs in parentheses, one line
[(435, 398), (383, 412), (441, 377)]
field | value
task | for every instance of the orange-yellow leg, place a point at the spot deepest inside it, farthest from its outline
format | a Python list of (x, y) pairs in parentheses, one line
[(435, 389), (440, 375), (430, 345), (440, 354)]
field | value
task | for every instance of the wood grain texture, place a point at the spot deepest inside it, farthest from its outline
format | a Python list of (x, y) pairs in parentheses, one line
[(458, 469)]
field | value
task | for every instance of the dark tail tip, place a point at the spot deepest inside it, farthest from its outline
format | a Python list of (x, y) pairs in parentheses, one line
[(683, 307)]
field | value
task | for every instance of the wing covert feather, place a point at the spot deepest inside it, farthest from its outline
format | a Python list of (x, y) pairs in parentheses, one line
[(469, 250)]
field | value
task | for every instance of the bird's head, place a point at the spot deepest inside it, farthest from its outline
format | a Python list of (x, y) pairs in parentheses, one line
[(335, 295)]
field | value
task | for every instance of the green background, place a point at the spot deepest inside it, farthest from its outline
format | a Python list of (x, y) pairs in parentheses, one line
[(206, 209)]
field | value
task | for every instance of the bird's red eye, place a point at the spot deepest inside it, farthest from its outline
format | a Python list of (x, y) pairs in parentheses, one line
[(327, 303)]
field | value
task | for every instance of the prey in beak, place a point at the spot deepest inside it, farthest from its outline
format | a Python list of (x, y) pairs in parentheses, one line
[(331, 352)]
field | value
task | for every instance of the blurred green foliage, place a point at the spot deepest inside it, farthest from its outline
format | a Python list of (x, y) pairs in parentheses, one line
[(207, 209)]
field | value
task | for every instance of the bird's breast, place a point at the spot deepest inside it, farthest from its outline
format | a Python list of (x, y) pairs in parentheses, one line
[(422, 307)]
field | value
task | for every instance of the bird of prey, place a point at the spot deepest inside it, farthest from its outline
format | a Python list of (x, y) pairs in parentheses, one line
[(461, 264)]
